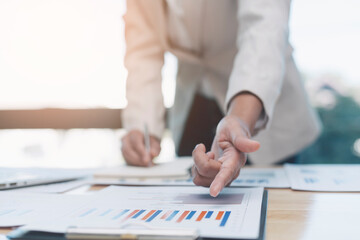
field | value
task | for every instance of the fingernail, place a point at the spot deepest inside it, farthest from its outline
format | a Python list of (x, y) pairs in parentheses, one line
[(215, 190), (214, 194)]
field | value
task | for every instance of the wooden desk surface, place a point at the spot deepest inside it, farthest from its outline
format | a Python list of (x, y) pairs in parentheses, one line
[(308, 215), (312, 215)]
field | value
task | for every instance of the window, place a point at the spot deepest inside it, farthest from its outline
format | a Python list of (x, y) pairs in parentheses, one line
[(326, 35)]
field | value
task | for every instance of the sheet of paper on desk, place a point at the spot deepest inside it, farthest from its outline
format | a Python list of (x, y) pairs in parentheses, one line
[(20, 208), (324, 177), (249, 177), (234, 214), (3, 237), (177, 168), (262, 177)]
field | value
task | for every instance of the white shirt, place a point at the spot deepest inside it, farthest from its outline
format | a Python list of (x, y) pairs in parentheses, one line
[(188, 34), (233, 46)]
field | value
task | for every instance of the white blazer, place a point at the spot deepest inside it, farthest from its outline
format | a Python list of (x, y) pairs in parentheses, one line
[(244, 48)]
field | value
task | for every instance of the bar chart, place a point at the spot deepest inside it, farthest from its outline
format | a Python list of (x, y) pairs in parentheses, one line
[(159, 215), (233, 214)]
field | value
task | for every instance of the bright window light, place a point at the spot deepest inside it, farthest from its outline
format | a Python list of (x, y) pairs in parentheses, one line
[(69, 53)]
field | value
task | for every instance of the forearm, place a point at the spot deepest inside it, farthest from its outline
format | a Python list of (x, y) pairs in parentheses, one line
[(247, 107), (144, 60), (263, 49)]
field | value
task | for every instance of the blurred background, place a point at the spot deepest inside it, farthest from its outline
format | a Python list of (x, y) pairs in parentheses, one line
[(61, 67)]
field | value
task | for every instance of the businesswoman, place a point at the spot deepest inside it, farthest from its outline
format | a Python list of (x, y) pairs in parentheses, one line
[(237, 85)]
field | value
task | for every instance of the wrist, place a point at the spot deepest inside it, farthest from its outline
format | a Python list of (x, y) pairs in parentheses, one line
[(247, 108), (244, 125)]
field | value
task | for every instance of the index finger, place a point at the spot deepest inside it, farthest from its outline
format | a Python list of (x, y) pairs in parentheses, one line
[(228, 171)]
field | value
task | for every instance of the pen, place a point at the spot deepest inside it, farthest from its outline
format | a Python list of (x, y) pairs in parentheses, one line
[(147, 140)]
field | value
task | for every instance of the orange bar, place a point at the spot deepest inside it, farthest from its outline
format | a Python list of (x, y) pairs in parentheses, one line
[(166, 214), (130, 215), (219, 216), (148, 215), (202, 214), (183, 216)]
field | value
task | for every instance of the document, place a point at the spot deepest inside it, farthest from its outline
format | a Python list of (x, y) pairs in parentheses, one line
[(177, 168), (249, 177), (324, 177), (21, 208), (262, 177), (235, 213)]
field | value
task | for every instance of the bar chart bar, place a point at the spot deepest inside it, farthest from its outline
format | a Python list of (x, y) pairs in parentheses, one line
[(208, 215), (172, 215), (120, 214), (166, 214), (182, 216), (138, 214), (154, 216), (200, 217), (88, 212), (131, 214), (148, 215), (190, 215), (105, 213), (224, 220), (219, 216)]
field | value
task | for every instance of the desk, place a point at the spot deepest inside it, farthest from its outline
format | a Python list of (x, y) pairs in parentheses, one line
[(306, 215)]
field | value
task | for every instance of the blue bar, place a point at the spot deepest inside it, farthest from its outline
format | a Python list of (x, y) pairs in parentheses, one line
[(106, 212), (172, 215), (208, 215), (190, 215), (153, 216), (88, 212), (121, 213), (225, 218), (138, 213)]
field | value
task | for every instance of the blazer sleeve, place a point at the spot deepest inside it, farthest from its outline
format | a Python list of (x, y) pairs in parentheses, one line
[(144, 59), (262, 42)]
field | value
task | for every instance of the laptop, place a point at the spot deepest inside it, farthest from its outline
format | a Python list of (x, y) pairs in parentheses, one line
[(23, 177)]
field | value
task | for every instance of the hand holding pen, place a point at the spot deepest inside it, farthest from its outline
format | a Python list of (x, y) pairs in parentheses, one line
[(140, 148)]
